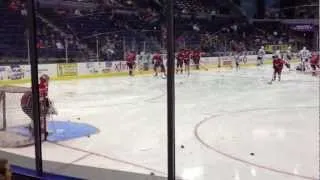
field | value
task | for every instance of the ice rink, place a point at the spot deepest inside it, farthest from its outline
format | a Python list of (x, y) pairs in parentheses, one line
[(230, 125)]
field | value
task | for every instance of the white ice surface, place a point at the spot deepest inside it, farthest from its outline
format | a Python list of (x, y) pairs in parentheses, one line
[(221, 117)]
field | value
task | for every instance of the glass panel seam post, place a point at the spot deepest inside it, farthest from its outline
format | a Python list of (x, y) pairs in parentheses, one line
[(170, 91), (31, 23)]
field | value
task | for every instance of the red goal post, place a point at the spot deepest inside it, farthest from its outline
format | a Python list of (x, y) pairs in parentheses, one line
[(225, 61)]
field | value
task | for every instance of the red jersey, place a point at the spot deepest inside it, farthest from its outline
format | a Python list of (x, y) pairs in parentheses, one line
[(196, 54), (180, 56), (26, 99), (131, 57), (43, 90), (314, 60), (157, 58), (186, 55), (278, 64)]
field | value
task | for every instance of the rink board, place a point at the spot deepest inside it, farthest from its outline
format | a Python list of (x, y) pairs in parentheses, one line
[(22, 74)]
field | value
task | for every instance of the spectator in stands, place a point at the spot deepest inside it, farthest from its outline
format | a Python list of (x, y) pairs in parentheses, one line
[(13, 6), (46, 44), (23, 10), (77, 12), (59, 45), (40, 44)]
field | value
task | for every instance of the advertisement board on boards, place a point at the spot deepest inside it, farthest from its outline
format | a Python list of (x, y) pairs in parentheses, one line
[(70, 69)]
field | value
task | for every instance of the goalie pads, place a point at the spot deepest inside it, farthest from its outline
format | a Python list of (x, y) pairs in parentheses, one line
[(51, 109)]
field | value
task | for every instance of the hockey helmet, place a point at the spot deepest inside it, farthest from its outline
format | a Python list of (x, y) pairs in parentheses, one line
[(44, 78), (275, 56)]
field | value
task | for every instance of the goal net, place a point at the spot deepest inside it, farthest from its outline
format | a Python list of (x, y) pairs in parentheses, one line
[(13, 120), (144, 61), (226, 60)]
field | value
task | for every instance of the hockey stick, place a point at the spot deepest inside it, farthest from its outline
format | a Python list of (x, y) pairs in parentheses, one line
[(202, 66), (273, 79), (187, 69), (137, 68)]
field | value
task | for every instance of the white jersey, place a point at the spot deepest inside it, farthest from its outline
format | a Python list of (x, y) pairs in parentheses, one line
[(261, 53), (144, 58), (237, 57), (304, 54)]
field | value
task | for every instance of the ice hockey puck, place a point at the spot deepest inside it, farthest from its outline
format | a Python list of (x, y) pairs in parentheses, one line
[(152, 174), (182, 146), (252, 154)]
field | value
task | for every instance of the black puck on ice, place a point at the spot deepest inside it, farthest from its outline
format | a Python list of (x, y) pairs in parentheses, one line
[(182, 146), (252, 154), (152, 174)]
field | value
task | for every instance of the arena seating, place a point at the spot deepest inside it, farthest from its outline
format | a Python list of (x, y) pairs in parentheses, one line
[(14, 36), (80, 28)]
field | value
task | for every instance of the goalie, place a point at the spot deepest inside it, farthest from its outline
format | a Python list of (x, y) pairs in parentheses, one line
[(45, 105)]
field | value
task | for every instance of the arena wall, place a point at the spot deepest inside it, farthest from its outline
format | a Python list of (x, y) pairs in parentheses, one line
[(65, 71)]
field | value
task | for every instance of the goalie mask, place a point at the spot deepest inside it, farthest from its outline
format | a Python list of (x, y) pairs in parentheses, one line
[(44, 78), (275, 56)]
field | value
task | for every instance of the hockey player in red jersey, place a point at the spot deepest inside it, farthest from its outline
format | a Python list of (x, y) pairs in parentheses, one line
[(180, 58), (186, 60), (44, 87), (157, 62), (131, 58), (196, 55), (45, 104), (277, 67), (314, 63)]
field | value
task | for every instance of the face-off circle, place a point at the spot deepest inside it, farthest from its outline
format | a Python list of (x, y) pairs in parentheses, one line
[(265, 138)]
